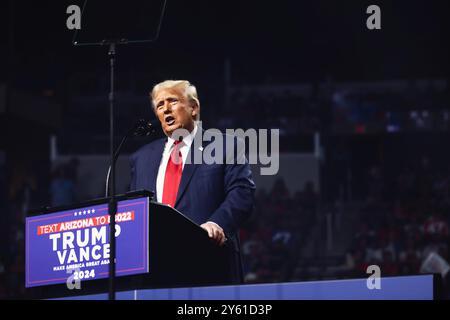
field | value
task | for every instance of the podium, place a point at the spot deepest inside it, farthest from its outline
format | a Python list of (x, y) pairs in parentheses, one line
[(180, 253)]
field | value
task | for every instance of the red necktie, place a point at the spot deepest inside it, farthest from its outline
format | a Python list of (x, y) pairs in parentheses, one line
[(173, 174)]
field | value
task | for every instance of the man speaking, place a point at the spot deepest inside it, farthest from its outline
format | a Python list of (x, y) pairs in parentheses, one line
[(219, 196)]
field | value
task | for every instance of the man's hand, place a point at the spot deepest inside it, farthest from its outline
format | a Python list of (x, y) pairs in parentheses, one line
[(215, 232)]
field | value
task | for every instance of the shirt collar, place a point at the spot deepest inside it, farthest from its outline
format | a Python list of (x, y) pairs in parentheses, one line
[(187, 140)]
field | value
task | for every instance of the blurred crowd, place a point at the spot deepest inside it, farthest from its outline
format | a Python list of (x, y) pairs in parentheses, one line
[(272, 240), (403, 228), (23, 195), (413, 108), (400, 226), (291, 113)]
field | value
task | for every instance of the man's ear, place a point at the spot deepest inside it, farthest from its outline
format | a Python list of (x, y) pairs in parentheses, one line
[(195, 110)]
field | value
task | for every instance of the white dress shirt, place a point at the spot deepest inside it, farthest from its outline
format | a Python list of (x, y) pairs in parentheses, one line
[(185, 146)]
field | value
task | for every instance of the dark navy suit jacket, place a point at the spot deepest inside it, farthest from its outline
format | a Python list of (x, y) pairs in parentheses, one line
[(221, 193)]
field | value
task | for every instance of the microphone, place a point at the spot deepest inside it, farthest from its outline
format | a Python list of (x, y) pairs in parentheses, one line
[(142, 128)]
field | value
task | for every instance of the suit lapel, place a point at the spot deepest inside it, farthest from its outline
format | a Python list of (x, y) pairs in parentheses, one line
[(190, 168), (155, 160)]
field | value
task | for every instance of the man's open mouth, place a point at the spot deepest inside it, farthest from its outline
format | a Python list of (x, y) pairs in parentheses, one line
[(170, 120)]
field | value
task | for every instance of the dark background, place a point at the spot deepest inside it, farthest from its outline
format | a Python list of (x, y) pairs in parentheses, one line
[(285, 41)]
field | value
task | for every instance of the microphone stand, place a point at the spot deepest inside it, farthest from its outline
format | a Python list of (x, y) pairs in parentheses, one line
[(141, 128), (112, 205)]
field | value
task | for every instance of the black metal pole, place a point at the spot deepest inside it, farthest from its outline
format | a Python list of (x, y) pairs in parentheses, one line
[(112, 200), (112, 208)]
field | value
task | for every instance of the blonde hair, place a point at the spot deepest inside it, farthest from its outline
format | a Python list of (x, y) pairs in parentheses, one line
[(189, 91)]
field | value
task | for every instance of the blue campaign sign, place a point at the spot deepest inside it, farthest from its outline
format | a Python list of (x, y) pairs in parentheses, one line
[(75, 243)]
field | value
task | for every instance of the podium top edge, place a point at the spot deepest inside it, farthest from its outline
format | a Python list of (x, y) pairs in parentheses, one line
[(120, 197)]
